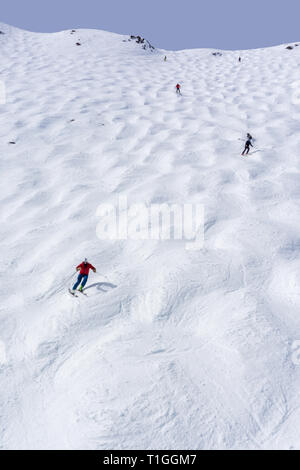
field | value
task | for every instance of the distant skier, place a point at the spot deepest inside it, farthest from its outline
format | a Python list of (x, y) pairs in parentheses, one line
[(240, 59), (165, 58), (178, 89), (247, 145), (83, 269)]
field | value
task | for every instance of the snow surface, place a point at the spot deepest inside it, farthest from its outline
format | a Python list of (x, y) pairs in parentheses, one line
[(172, 349)]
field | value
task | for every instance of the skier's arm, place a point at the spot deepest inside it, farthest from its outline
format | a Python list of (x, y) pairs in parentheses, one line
[(92, 267), (78, 267), (251, 144)]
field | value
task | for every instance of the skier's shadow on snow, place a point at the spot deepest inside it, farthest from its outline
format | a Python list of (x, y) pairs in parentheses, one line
[(102, 286)]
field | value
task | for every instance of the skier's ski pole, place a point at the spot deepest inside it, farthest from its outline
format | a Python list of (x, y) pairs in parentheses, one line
[(71, 277)]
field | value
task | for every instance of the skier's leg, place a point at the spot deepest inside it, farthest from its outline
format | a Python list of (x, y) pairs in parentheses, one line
[(85, 278), (77, 282)]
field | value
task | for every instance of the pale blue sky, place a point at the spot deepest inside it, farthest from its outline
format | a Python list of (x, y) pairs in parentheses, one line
[(168, 24)]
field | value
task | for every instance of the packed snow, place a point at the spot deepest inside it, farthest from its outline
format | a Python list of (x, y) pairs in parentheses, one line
[(171, 348)]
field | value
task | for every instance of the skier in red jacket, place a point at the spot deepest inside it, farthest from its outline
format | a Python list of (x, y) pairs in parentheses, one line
[(83, 269), (178, 88)]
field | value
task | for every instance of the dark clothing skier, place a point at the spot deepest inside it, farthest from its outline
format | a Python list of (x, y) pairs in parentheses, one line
[(247, 147)]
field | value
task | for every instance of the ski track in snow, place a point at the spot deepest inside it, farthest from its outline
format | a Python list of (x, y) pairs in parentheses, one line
[(171, 349)]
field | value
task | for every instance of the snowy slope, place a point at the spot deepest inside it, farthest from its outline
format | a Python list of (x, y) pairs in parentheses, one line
[(172, 348)]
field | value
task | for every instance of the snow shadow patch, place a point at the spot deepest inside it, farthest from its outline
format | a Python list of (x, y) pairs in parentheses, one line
[(102, 286)]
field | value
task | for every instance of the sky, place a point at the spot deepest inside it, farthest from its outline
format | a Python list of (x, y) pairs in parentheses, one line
[(167, 24)]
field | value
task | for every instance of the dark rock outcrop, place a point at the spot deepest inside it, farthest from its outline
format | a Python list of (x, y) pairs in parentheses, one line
[(139, 40)]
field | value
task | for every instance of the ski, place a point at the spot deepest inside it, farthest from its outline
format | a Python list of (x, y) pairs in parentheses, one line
[(72, 293), (81, 292)]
